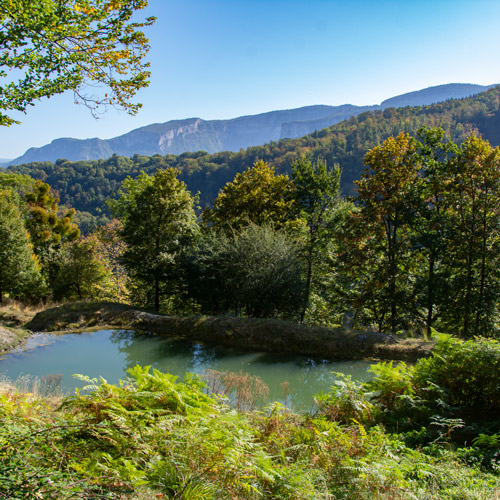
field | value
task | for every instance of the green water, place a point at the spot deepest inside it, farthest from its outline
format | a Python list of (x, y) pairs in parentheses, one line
[(109, 353)]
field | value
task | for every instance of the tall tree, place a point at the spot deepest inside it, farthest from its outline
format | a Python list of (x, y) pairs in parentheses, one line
[(387, 195), (19, 268), (315, 192), (50, 46), (431, 226), (473, 245), (256, 195), (47, 228), (157, 213)]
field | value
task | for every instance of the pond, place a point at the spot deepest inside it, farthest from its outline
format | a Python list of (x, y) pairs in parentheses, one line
[(109, 353)]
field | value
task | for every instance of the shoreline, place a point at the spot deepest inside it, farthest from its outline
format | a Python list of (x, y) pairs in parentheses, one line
[(247, 334)]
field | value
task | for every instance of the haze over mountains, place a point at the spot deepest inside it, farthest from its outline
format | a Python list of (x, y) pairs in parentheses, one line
[(195, 134)]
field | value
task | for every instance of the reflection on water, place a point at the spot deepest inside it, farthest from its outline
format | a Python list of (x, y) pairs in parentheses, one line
[(109, 354)]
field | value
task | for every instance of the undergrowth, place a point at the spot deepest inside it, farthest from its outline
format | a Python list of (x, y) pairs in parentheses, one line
[(152, 436)]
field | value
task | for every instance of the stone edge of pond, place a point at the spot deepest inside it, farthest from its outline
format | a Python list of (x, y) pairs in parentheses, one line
[(269, 335)]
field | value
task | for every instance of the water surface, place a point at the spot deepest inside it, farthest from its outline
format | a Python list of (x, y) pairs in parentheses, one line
[(109, 353)]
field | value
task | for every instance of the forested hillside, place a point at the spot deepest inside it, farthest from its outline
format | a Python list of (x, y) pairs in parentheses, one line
[(86, 185)]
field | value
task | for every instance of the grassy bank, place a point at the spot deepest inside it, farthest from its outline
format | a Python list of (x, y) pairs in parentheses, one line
[(13, 318), (240, 333), (428, 432)]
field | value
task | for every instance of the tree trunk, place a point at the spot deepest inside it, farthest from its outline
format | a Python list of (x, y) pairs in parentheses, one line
[(157, 294), (479, 304), (430, 295), (308, 283)]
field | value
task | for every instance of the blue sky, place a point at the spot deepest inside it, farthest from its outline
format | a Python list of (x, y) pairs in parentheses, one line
[(227, 58)]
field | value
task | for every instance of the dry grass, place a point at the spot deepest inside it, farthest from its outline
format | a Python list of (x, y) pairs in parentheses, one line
[(13, 318), (15, 314), (34, 388), (247, 392)]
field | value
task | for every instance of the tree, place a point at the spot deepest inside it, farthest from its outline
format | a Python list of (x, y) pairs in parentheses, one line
[(315, 192), (47, 228), (78, 272), (50, 46), (473, 243), (387, 194), (19, 268), (256, 195), (431, 227), (108, 249), (256, 270), (157, 213)]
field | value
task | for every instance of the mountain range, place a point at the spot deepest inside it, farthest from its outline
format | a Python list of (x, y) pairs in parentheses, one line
[(86, 185), (194, 134)]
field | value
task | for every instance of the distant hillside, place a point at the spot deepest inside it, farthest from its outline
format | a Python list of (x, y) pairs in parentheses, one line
[(436, 94), (191, 134), (195, 134), (87, 184)]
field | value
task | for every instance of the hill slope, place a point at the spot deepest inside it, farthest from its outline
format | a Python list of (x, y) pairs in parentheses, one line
[(86, 185), (195, 134)]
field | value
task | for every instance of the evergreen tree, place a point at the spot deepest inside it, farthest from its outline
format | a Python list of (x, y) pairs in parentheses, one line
[(47, 228), (19, 268)]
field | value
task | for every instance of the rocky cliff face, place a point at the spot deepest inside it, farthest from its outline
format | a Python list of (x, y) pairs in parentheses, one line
[(195, 134)]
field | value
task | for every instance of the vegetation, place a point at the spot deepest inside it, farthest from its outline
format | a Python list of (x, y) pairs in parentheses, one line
[(153, 436), (420, 244), (19, 268), (256, 196), (55, 46), (85, 185), (157, 214), (415, 251), (256, 270)]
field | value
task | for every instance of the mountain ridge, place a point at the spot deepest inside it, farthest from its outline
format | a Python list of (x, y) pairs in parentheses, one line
[(86, 185), (212, 136)]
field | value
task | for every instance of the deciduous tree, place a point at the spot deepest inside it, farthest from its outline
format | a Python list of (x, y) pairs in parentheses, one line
[(315, 192), (157, 213), (256, 195), (473, 244), (256, 270), (386, 198), (89, 46)]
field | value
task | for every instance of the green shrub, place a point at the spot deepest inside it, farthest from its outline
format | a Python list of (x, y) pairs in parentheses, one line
[(468, 372)]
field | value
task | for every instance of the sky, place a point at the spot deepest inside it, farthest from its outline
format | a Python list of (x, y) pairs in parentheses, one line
[(218, 59)]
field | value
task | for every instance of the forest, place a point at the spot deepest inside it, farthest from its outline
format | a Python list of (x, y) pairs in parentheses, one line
[(86, 185), (386, 224), (415, 250), (413, 253)]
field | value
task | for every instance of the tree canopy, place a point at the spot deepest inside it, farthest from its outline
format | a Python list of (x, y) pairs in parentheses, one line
[(256, 195), (89, 46), (157, 213)]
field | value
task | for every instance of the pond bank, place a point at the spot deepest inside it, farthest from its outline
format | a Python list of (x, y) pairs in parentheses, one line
[(269, 335)]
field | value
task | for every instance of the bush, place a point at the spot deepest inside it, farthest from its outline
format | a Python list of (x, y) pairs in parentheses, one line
[(468, 372)]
